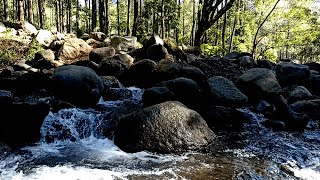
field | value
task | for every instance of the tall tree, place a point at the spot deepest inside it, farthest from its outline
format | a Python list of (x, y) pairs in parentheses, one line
[(162, 19), (58, 16), (178, 20), (5, 10), (255, 42), (118, 16), (69, 15), (30, 11), (20, 11), (106, 6), (128, 18), (102, 15), (224, 27), (94, 15), (77, 16), (211, 12), (135, 17), (42, 14), (193, 22)]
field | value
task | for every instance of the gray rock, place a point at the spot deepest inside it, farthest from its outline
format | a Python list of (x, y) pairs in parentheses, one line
[(2, 27), (6, 97), (298, 94), (257, 83), (222, 91), (78, 85), (309, 107), (99, 54), (156, 95), (292, 74), (44, 37), (168, 127)]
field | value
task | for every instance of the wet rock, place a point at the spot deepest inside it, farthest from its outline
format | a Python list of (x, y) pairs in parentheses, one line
[(185, 90), (299, 93), (168, 127), (275, 125), (156, 95), (309, 107), (223, 118), (110, 82), (223, 92), (6, 97), (115, 94), (265, 107), (21, 122), (78, 85), (292, 74)]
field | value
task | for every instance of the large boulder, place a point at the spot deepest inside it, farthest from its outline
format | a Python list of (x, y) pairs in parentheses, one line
[(73, 48), (45, 59), (258, 83), (185, 90), (29, 28), (157, 52), (99, 36), (44, 37), (112, 67), (222, 118), (140, 73), (21, 122), (314, 82), (99, 54), (299, 93), (78, 85), (222, 91), (309, 107), (168, 127), (292, 74)]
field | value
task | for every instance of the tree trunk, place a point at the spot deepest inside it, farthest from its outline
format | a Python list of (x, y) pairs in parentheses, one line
[(255, 42), (5, 10), (128, 19), (70, 16), (211, 12), (107, 17), (135, 17), (77, 17), (232, 34), (140, 10), (20, 11), (223, 34), (94, 15), (102, 15), (41, 13), (58, 16), (61, 16), (193, 23), (178, 20), (30, 11), (118, 16), (162, 19)]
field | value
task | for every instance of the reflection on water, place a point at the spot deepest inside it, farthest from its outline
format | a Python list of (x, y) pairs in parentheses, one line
[(78, 151)]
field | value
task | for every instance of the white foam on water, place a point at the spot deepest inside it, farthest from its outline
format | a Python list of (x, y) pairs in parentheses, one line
[(307, 174)]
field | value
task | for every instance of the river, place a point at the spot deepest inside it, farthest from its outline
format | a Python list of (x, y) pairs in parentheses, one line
[(78, 151)]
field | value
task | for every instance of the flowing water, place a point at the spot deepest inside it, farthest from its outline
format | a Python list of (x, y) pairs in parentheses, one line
[(78, 151)]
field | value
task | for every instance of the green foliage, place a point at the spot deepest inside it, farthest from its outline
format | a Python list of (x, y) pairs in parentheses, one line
[(34, 47), (211, 50), (9, 55)]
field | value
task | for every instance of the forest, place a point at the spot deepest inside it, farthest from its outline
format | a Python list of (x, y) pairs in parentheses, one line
[(269, 29)]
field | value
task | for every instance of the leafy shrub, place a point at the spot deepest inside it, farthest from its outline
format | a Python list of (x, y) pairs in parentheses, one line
[(211, 50)]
